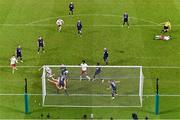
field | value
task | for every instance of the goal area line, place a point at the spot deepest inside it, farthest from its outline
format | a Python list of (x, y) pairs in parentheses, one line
[(79, 106)]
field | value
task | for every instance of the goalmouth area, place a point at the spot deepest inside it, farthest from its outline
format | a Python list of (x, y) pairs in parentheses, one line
[(95, 93)]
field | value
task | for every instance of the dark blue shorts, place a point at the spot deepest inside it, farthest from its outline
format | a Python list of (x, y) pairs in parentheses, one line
[(61, 84), (125, 19), (19, 55), (41, 45)]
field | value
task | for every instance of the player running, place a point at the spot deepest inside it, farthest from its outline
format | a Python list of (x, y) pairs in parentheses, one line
[(71, 8), (98, 72), (84, 70), (41, 44), (113, 88), (59, 24), (125, 19), (162, 37), (13, 62), (105, 56), (19, 53), (167, 27), (79, 27)]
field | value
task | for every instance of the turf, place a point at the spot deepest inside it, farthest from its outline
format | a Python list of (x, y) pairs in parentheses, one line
[(22, 22)]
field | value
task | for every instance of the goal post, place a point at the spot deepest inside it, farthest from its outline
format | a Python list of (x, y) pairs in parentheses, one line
[(94, 93), (43, 77), (141, 80)]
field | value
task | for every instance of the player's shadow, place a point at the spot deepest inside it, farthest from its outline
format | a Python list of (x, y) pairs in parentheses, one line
[(11, 109), (161, 112), (175, 109), (120, 51)]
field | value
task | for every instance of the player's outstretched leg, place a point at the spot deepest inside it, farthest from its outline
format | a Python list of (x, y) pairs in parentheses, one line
[(88, 78), (113, 96)]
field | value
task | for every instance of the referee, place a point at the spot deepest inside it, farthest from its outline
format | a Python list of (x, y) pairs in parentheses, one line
[(167, 27), (125, 19)]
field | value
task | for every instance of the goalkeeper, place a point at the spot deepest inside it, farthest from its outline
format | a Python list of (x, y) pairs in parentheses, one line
[(167, 27)]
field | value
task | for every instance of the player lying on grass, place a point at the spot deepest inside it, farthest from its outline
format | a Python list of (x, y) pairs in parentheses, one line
[(59, 24), (49, 73), (167, 27), (84, 70), (113, 88), (98, 72), (60, 82), (13, 62), (162, 37)]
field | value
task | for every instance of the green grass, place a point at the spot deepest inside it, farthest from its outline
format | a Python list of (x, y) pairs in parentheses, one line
[(133, 46)]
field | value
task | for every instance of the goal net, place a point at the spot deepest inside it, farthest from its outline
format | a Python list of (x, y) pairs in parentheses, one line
[(97, 91)]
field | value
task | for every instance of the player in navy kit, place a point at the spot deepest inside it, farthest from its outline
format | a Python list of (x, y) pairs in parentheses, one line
[(113, 88), (19, 53), (98, 72), (40, 44), (125, 19), (105, 56), (60, 82), (79, 27), (71, 8)]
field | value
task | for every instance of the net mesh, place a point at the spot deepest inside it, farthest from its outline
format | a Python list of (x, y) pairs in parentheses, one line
[(95, 93)]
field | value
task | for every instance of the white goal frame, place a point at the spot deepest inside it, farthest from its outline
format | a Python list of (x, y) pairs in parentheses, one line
[(44, 93)]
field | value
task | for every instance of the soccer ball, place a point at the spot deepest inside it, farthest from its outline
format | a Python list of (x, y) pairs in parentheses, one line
[(102, 81), (66, 72)]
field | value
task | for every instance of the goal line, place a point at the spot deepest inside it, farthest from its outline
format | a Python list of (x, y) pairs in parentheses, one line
[(145, 95)]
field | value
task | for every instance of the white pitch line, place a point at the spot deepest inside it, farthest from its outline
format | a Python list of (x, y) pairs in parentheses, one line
[(72, 106), (94, 95), (28, 66), (105, 15), (66, 25), (162, 67), (34, 23), (144, 67), (53, 25)]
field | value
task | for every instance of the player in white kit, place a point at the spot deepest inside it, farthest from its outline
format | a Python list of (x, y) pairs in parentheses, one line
[(13, 62), (84, 70), (59, 24)]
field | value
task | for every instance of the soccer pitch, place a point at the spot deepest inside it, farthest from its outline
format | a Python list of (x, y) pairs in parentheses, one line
[(23, 21)]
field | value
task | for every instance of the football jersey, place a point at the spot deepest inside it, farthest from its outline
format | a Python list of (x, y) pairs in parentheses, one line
[(18, 50), (13, 60), (59, 22), (84, 66)]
